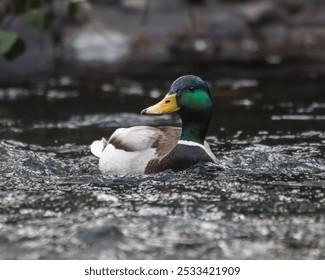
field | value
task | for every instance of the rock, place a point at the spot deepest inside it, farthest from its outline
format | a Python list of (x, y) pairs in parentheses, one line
[(310, 18), (228, 26), (191, 45), (307, 40), (258, 13), (273, 35), (291, 6), (133, 5), (140, 5), (152, 5), (92, 44)]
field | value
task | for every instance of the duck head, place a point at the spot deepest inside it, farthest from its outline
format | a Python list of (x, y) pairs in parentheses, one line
[(189, 96)]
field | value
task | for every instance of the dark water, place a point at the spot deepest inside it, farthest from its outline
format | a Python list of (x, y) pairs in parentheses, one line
[(268, 203)]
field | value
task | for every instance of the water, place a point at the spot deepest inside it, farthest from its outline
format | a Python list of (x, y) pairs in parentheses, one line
[(267, 203)]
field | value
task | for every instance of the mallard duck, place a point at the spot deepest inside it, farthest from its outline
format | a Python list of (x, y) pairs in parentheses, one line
[(145, 149)]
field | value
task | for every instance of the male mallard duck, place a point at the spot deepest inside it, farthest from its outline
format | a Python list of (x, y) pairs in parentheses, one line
[(144, 149)]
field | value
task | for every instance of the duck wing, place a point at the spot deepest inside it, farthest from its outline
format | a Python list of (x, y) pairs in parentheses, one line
[(140, 138)]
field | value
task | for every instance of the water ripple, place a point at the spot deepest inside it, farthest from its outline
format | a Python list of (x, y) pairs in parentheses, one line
[(265, 199)]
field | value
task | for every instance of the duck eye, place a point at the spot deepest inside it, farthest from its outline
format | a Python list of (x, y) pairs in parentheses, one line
[(191, 88)]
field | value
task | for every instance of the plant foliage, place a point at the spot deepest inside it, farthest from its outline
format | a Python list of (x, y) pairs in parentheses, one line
[(11, 45), (35, 14)]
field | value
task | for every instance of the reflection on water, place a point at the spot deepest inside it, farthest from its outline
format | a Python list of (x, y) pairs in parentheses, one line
[(268, 202)]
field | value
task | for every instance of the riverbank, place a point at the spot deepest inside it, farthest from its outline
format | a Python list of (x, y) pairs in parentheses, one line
[(250, 39)]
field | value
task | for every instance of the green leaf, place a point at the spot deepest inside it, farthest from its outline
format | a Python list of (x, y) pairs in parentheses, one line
[(7, 40), (33, 18), (38, 18), (17, 49), (73, 9), (48, 18), (11, 45)]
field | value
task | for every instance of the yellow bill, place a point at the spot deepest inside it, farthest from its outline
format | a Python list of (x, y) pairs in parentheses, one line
[(166, 106)]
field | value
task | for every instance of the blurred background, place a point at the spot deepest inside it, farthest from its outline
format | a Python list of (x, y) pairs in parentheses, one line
[(97, 39), (72, 71)]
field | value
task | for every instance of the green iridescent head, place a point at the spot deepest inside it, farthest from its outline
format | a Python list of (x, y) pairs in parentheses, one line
[(192, 97), (189, 96)]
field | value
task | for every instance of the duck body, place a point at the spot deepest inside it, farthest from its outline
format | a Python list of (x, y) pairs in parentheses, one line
[(145, 150)]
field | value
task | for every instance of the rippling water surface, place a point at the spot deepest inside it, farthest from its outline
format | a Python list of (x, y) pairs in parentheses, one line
[(267, 203)]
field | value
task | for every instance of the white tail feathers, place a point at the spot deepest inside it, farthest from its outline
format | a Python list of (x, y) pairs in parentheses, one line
[(97, 147)]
